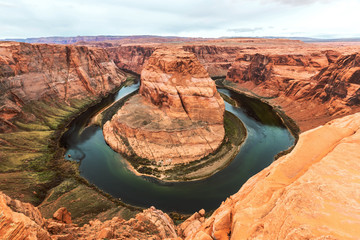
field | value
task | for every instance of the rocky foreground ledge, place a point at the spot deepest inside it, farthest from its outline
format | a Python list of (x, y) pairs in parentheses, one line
[(311, 193)]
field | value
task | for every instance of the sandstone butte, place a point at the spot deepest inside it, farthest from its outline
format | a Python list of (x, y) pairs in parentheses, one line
[(176, 118), (311, 193)]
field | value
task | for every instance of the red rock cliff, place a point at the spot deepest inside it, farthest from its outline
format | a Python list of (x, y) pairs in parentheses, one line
[(53, 73), (312, 89)]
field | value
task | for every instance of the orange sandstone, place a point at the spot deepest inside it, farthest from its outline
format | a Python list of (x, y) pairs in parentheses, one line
[(177, 116)]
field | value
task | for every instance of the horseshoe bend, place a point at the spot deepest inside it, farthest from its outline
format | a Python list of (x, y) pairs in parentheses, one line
[(178, 118)]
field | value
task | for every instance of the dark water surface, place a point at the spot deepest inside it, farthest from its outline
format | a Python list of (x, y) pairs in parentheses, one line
[(106, 169)]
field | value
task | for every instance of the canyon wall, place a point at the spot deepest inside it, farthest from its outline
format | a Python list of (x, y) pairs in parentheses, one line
[(312, 89), (41, 88), (215, 59), (51, 73)]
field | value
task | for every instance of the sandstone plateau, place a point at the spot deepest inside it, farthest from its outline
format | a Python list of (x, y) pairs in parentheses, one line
[(176, 118)]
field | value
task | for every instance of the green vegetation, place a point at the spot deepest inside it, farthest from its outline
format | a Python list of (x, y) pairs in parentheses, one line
[(70, 194), (32, 162), (33, 153)]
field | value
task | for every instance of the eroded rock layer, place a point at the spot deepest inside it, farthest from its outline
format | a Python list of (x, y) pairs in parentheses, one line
[(51, 73), (311, 193), (178, 116), (312, 89)]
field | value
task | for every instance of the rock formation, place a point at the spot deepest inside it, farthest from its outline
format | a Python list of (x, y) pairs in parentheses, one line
[(271, 75), (20, 220), (311, 193), (51, 73), (338, 84), (312, 89), (178, 116)]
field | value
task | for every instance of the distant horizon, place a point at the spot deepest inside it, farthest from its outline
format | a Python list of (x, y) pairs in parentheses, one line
[(310, 39)]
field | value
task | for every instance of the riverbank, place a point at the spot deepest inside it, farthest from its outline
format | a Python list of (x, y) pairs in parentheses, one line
[(32, 163), (288, 122), (235, 135)]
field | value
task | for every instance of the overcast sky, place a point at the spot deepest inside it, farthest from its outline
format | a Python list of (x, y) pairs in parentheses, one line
[(197, 18)]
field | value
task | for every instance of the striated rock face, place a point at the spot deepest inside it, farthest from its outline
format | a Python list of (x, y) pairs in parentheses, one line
[(20, 220), (312, 89), (271, 75), (132, 57), (178, 116), (339, 84), (52, 73), (311, 193), (175, 81)]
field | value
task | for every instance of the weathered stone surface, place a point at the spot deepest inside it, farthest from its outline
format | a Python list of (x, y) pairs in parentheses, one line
[(63, 215), (310, 193), (312, 89), (20, 220), (32, 72), (271, 75), (178, 116)]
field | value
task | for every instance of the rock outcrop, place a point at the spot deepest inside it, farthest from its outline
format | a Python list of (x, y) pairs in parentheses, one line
[(20, 220), (338, 84), (177, 116), (271, 75), (311, 193), (51, 73)]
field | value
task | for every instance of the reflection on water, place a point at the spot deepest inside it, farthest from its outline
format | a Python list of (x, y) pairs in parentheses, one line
[(106, 169)]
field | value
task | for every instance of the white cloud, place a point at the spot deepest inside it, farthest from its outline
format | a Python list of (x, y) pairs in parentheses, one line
[(206, 18)]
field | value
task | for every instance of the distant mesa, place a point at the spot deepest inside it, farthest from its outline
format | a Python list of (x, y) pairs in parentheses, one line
[(178, 115)]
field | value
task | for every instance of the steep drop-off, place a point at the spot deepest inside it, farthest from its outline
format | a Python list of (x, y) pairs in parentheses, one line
[(312, 89), (42, 87), (178, 116), (311, 193), (51, 73)]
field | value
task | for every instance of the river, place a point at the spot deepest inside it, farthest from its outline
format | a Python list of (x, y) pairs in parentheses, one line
[(100, 165)]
